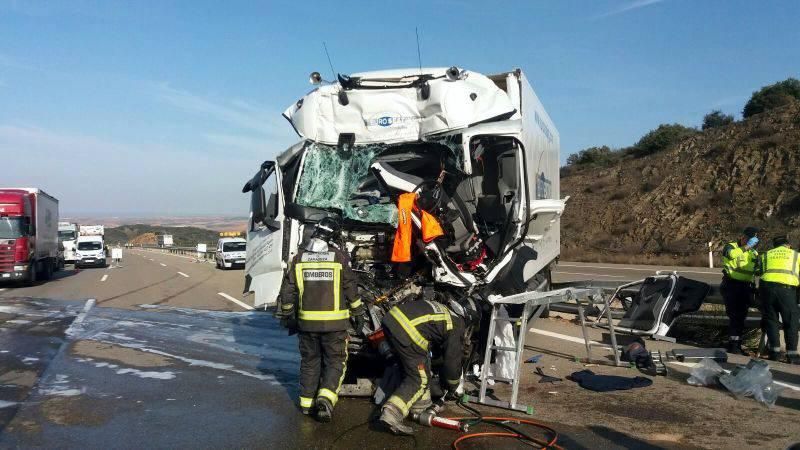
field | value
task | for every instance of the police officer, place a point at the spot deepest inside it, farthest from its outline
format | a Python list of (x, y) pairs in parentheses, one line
[(313, 295), (779, 269), (412, 329), (738, 274)]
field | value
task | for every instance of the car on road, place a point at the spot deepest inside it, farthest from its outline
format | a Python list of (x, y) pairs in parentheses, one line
[(90, 252), (231, 253)]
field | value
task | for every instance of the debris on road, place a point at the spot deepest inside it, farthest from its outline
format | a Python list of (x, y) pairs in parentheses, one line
[(705, 373), (607, 383)]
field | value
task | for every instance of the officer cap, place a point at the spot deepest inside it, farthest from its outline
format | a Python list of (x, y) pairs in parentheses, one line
[(780, 240), (750, 231)]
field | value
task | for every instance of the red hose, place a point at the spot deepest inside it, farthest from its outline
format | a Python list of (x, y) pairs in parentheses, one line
[(546, 445)]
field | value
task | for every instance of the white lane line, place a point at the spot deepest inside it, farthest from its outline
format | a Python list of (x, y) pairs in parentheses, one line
[(151, 259), (105, 277), (578, 340), (588, 274), (2, 289), (163, 264), (653, 269), (77, 323), (242, 304), (183, 274)]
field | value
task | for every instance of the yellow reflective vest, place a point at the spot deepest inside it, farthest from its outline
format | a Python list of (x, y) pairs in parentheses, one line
[(781, 265), (739, 264)]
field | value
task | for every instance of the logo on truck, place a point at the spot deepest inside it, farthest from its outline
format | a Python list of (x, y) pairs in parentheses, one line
[(544, 187), (388, 119)]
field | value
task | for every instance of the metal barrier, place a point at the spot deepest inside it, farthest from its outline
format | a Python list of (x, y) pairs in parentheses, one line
[(209, 254)]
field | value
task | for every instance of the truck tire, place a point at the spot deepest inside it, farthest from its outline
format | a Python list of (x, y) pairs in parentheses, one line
[(33, 274), (47, 270)]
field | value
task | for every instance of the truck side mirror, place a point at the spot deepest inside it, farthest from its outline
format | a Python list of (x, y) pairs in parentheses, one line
[(27, 226), (258, 205)]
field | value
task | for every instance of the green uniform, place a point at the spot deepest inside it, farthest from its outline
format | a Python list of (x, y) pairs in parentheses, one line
[(738, 269), (779, 269)]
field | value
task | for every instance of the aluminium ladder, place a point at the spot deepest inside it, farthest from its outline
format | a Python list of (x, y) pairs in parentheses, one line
[(535, 302)]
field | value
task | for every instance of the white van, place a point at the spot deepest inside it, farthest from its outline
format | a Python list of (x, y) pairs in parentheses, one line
[(90, 252), (480, 149), (231, 253)]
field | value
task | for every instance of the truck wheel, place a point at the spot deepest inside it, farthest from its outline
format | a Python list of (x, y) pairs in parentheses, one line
[(32, 274), (47, 271)]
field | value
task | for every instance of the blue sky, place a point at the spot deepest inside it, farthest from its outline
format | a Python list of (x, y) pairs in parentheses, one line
[(152, 107)]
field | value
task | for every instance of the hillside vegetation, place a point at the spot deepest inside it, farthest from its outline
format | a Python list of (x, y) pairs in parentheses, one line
[(662, 202), (141, 234)]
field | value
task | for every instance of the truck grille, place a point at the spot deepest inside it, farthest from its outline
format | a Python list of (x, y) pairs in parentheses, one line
[(6, 256)]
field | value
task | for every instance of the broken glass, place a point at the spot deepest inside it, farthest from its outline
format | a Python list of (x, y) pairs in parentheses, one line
[(331, 178)]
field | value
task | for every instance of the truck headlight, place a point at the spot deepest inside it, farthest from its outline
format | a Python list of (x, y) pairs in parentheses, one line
[(20, 268)]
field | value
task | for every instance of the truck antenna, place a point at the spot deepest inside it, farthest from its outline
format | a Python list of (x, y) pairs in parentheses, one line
[(329, 59), (419, 54)]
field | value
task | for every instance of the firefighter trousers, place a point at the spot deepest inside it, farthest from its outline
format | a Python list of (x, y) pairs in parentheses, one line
[(779, 300), (416, 367), (737, 296), (323, 360)]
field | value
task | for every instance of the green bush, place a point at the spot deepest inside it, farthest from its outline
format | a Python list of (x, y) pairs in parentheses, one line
[(716, 119), (660, 139), (772, 96), (593, 156)]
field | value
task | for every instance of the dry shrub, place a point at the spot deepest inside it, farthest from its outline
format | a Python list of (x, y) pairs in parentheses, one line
[(761, 132), (617, 196)]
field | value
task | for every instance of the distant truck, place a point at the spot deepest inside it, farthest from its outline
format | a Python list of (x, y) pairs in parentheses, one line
[(68, 236), (91, 251), (231, 253), (28, 235), (164, 240)]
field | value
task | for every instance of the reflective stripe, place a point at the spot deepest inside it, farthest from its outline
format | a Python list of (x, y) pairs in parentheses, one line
[(454, 382), (329, 394), (356, 304), (409, 328), (399, 403), (323, 315), (306, 402), (423, 387), (344, 366), (337, 313)]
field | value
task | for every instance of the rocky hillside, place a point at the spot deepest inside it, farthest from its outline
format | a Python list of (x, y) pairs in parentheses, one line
[(669, 205)]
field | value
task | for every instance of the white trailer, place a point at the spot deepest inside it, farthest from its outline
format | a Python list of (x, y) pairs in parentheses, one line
[(68, 235), (164, 240), (92, 230)]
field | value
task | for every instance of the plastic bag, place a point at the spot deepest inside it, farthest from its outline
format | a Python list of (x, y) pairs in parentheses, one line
[(705, 373), (755, 380)]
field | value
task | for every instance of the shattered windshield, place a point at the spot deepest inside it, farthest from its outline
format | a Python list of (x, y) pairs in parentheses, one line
[(333, 178)]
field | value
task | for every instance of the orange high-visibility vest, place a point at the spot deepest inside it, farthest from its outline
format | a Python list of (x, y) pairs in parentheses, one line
[(406, 203), (401, 252)]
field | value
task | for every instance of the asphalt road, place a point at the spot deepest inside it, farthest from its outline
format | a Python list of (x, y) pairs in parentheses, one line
[(161, 359), (146, 277)]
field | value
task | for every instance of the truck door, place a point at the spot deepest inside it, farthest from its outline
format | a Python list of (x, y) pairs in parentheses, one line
[(265, 263)]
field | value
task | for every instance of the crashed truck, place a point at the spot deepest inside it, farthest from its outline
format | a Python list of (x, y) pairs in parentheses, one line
[(479, 151)]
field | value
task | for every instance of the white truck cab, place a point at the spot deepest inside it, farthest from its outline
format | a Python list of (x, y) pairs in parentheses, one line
[(480, 151), (231, 253), (90, 252)]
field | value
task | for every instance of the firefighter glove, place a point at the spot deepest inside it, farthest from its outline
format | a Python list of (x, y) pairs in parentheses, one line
[(752, 242)]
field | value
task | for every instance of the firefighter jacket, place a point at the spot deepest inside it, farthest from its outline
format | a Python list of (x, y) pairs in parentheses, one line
[(738, 263), (420, 324), (780, 265), (321, 289)]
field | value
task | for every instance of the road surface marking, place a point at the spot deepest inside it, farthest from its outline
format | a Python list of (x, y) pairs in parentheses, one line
[(105, 277), (183, 274), (578, 340), (163, 264), (151, 259), (653, 270), (2, 289), (588, 274), (81, 317), (242, 304)]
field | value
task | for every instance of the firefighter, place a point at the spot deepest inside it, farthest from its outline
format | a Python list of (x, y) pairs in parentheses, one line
[(737, 288), (412, 328), (779, 269), (313, 295)]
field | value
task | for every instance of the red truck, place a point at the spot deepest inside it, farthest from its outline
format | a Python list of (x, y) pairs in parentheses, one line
[(28, 235)]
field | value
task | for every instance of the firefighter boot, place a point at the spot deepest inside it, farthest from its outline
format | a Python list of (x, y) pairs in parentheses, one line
[(324, 409), (392, 418), (735, 347), (793, 358)]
